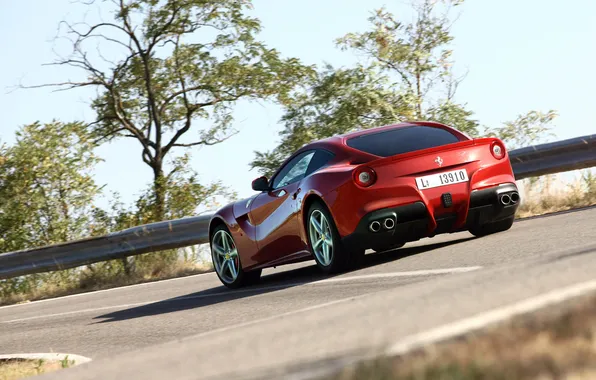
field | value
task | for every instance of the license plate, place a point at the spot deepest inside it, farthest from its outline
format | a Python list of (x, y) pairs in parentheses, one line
[(442, 179)]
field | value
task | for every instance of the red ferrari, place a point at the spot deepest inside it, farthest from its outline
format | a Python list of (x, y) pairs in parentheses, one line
[(373, 189)]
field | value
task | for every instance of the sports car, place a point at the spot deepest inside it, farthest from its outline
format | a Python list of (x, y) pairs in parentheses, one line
[(377, 189)]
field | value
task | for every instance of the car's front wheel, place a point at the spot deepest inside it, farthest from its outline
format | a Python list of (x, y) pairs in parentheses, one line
[(226, 261), (325, 243), (492, 228)]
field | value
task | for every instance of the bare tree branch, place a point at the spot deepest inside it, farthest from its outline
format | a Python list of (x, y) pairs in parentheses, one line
[(207, 143), (68, 85), (176, 94), (93, 28), (453, 84), (152, 104), (189, 110), (157, 36)]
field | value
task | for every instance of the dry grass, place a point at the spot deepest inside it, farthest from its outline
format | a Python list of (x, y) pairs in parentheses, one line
[(555, 343), (551, 194), (20, 369)]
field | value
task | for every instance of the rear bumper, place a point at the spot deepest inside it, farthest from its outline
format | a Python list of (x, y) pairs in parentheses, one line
[(413, 221), (486, 206)]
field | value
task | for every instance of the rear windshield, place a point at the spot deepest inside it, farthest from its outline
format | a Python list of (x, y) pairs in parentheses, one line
[(402, 140)]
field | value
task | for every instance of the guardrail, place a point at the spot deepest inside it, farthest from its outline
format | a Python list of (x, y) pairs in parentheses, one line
[(556, 157), (133, 241), (532, 161)]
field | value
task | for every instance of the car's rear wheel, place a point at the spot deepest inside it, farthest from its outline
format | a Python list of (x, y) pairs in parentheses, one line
[(226, 261), (325, 243), (492, 228)]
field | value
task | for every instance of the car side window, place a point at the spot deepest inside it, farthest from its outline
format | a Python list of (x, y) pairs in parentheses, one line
[(294, 171), (320, 159)]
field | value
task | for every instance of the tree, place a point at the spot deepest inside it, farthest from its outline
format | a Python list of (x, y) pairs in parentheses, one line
[(183, 192), (417, 55), (46, 186), (526, 129), (171, 64), (409, 67), (334, 102)]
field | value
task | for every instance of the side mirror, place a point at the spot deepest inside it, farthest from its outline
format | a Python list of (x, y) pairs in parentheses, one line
[(260, 184)]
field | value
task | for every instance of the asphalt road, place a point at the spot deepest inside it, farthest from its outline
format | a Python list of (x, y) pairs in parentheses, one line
[(297, 319)]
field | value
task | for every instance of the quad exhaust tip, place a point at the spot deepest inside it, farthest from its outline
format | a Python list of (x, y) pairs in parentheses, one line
[(388, 223), (505, 199), (514, 197), (375, 226)]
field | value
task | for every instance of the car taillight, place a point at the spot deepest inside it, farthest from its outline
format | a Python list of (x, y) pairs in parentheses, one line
[(365, 176), (498, 150)]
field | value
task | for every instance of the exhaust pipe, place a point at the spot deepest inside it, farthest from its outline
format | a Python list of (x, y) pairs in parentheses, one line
[(388, 223), (505, 199), (375, 226), (514, 197)]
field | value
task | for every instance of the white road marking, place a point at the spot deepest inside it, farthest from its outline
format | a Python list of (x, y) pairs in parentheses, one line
[(75, 312), (129, 305), (414, 273), (426, 272), (105, 290), (273, 317), (481, 320)]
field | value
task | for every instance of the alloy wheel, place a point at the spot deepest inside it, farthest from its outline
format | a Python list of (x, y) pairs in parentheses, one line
[(321, 237), (225, 256)]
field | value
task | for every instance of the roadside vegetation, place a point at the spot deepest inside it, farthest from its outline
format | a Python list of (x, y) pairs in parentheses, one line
[(554, 343), (48, 196), (548, 194), (14, 369), (160, 88)]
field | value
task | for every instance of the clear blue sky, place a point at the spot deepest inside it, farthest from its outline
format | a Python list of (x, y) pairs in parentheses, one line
[(521, 55)]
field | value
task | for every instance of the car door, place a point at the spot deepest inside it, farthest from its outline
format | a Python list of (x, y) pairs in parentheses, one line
[(275, 212)]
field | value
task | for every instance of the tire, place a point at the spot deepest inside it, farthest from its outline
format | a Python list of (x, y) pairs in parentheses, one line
[(337, 258), (224, 271), (492, 228)]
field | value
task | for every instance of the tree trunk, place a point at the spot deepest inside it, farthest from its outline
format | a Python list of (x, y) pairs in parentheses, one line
[(418, 93), (159, 190)]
